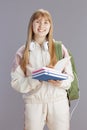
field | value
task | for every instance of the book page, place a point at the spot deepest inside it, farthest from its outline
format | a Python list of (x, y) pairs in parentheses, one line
[(61, 64)]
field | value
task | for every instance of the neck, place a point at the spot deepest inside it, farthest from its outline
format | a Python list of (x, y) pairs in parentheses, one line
[(39, 40)]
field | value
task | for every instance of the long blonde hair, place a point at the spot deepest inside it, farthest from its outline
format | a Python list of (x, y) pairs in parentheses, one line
[(30, 36)]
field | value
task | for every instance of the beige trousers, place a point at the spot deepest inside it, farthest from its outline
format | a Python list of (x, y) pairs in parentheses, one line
[(54, 114)]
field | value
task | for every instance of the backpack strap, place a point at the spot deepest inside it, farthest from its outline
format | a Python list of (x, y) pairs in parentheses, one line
[(58, 49), (72, 61)]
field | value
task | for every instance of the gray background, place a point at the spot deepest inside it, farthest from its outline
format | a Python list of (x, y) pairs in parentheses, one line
[(70, 26)]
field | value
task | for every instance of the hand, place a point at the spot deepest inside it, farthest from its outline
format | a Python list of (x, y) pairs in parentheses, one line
[(50, 66), (55, 82)]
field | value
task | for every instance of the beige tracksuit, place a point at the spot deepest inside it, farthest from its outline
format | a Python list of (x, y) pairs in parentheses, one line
[(44, 103)]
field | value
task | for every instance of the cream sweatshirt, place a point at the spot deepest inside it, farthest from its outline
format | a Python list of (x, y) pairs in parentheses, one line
[(33, 90)]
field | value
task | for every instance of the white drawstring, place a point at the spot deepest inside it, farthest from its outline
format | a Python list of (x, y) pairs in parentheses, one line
[(71, 114)]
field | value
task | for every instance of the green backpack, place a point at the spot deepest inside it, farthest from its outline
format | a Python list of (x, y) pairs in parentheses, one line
[(73, 91)]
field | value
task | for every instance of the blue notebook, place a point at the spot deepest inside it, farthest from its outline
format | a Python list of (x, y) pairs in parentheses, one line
[(46, 73)]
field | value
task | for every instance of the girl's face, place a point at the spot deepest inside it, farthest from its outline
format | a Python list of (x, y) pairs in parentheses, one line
[(41, 27)]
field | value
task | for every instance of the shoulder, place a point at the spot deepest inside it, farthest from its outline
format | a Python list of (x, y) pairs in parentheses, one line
[(20, 51), (65, 50), (17, 57)]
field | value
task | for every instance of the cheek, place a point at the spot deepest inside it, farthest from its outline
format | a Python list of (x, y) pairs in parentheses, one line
[(48, 28), (34, 28)]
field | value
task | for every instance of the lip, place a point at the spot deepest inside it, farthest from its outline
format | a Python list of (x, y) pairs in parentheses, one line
[(41, 30)]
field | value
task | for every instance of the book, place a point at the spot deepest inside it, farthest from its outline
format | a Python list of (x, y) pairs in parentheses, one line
[(46, 73), (55, 73)]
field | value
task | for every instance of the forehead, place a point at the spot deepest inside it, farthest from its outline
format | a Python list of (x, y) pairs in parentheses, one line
[(42, 18)]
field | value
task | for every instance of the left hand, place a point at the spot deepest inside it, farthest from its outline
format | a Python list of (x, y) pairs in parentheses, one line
[(55, 82)]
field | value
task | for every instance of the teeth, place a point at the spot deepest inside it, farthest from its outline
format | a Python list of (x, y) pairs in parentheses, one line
[(41, 30)]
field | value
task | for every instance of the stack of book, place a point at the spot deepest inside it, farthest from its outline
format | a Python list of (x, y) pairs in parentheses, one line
[(46, 73)]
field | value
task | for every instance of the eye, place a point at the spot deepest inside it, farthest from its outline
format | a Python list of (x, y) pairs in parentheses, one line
[(46, 22), (37, 21)]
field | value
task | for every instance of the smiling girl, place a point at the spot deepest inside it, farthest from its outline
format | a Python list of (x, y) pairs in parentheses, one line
[(45, 101)]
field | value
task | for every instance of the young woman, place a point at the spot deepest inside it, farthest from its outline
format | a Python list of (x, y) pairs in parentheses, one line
[(45, 101)]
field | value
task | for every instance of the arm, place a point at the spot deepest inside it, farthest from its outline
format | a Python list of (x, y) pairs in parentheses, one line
[(19, 81), (68, 70)]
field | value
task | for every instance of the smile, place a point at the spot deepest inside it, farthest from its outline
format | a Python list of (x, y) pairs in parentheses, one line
[(40, 30)]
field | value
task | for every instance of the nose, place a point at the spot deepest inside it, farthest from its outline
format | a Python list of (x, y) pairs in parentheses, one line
[(41, 24)]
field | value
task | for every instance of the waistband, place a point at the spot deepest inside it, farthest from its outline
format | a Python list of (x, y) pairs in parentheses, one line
[(38, 100)]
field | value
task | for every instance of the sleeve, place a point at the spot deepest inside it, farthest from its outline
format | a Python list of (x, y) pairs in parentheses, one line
[(19, 81), (68, 70)]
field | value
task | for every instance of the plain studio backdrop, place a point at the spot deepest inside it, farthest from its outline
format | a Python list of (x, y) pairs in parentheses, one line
[(70, 26)]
